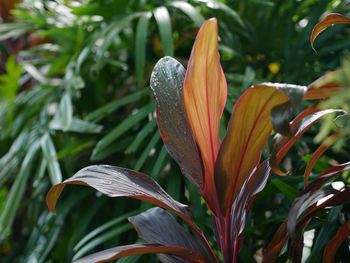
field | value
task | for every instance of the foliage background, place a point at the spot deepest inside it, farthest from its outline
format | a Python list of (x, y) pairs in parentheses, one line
[(74, 92)]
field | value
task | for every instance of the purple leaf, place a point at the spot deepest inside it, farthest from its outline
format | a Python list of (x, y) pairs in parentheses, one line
[(117, 182), (166, 82), (158, 226), (137, 249), (254, 184)]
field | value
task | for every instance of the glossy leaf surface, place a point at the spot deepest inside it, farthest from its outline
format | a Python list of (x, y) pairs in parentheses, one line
[(166, 82), (327, 21), (137, 249), (158, 226), (117, 182), (205, 93), (247, 133), (255, 184)]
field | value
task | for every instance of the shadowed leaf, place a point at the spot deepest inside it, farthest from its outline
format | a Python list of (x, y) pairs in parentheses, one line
[(166, 82), (317, 154), (300, 125), (158, 226), (331, 249), (329, 20), (254, 184)]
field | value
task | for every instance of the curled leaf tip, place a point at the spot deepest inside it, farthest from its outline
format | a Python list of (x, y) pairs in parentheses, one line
[(329, 20)]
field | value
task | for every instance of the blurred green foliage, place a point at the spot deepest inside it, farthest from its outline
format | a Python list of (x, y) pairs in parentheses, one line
[(73, 87)]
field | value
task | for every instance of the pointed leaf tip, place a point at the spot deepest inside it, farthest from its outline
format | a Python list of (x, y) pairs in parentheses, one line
[(329, 20), (205, 93)]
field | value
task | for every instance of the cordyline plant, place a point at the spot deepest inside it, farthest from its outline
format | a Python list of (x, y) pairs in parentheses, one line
[(227, 174)]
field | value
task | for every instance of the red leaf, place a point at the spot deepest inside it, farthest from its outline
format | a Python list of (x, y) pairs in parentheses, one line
[(300, 125), (138, 249), (317, 154), (331, 249), (276, 244), (205, 93), (324, 87)]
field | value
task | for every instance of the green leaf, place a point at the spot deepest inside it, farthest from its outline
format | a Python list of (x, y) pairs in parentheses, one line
[(192, 12), (123, 127), (141, 161), (49, 153), (102, 228), (290, 192), (107, 109), (162, 17), (17, 191), (141, 136), (140, 46)]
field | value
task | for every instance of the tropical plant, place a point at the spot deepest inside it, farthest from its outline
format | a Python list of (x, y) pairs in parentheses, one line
[(227, 175)]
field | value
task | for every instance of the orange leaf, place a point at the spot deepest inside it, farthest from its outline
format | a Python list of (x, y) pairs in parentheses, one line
[(317, 154), (205, 93), (332, 247), (324, 87), (247, 133), (327, 21)]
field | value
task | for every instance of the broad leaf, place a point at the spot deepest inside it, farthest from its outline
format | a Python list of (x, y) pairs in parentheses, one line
[(117, 182), (205, 93), (166, 82), (327, 21), (137, 249), (158, 226), (331, 249), (247, 133)]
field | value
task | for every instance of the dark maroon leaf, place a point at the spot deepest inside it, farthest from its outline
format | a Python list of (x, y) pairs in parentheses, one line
[(301, 204), (338, 198), (325, 176), (254, 184), (331, 249), (137, 249), (276, 244), (167, 82), (300, 125), (158, 226), (117, 182)]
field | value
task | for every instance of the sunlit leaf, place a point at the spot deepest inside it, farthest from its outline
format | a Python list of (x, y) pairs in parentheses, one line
[(161, 14), (246, 135), (205, 93), (329, 20)]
